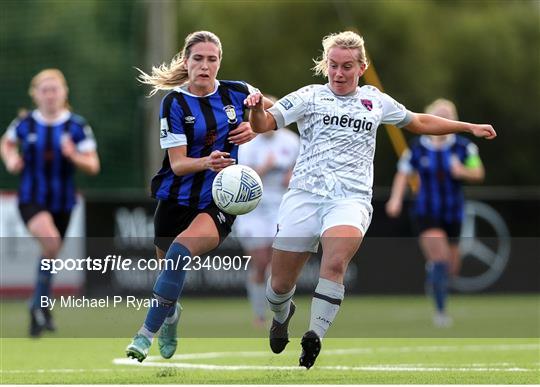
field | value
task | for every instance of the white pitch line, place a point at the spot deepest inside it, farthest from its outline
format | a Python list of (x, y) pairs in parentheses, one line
[(214, 355), (213, 367), (437, 348), (374, 367), (476, 367), (68, 370), (426, 368), (151, 361), (367, 350), (506, 367)]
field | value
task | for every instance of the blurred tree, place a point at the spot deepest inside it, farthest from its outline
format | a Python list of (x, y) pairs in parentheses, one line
[(484, 55), (95, 44)]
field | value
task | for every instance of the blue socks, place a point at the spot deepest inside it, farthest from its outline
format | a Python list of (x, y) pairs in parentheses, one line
[(167, 288), (438, 279), (43, 286)]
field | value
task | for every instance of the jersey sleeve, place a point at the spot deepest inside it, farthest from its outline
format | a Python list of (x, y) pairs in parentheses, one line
[(472, 157), (394, 113), (171, 132), (13, 133), (251, 89), (405, 164), (84, 139), (290, 108)]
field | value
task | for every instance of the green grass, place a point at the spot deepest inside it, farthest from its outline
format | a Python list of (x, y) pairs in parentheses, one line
[(424, 361), (360, 347), (360, 316)]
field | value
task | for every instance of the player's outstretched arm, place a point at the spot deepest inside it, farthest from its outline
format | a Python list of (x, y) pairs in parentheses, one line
[(88, 162), (430, 124), (261, 121), (10, 155), (399, 186)]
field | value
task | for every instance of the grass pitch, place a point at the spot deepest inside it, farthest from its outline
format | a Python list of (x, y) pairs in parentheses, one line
[(418, 353)]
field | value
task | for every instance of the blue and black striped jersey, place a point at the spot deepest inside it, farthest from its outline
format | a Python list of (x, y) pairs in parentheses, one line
[(47, 178), (440, 195), (203, 125)]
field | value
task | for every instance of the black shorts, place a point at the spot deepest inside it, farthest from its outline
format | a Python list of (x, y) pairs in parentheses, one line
[(452, 229), (61, 219), (170, 219)]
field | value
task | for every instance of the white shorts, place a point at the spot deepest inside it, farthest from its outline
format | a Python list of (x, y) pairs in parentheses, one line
[(304, 216)]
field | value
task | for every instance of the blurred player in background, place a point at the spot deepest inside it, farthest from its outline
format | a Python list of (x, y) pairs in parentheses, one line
[(442, 163), (45, 146), (329, 199), (200, 129), (272, 155)]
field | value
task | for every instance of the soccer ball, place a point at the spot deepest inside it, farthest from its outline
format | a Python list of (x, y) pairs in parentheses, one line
[(237, 190)]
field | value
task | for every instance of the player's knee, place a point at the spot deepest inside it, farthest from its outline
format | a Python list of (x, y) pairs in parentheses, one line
[(198, 244), (51, 247), (281, 285), (433, 234), (335, 268)]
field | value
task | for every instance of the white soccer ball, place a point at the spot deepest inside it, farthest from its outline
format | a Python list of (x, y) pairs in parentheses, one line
[(237, 190)]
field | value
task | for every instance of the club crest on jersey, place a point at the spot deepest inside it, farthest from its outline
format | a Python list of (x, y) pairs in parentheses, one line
[(231, 114), (367, 104)]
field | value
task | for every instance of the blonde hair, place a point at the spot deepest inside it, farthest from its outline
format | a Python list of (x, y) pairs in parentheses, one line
[(167, 77), (442, 103), (346, 39), (48, 74)]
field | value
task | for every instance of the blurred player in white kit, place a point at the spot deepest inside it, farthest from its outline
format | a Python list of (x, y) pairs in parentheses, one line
[(272, 155)]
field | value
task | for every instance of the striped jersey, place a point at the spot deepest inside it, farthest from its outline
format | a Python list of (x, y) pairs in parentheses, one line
[(202, 124), (47, 178), (337, 137), (440, 195)]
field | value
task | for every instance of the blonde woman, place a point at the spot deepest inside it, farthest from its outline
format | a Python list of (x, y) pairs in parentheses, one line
[(329, 197), (201, 128), (45, 146), (442, 163)]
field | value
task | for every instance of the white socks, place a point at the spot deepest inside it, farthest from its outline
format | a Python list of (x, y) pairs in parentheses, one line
[(325, 305), (145, 332), (279, 303), (257, 297), (172, 319), (168, 320)]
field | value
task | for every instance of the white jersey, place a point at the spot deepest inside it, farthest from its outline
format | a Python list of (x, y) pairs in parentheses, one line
[(337, 135), (282, 146)]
